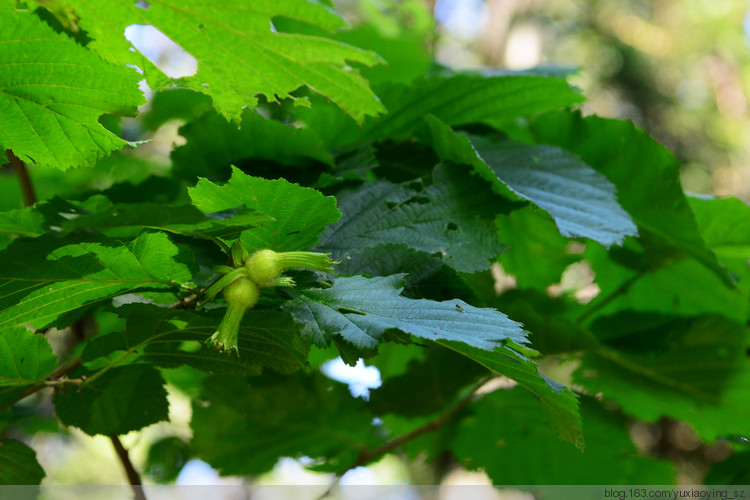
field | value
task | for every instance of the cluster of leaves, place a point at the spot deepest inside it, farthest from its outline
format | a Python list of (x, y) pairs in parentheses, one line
[(416, 183)]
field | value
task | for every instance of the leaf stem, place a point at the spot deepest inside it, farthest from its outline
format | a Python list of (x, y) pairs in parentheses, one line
[(133, 477), (27, 188)]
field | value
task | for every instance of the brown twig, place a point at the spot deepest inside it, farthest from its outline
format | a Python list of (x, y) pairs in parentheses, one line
[(19, 167), (133, 477), (368, 456)]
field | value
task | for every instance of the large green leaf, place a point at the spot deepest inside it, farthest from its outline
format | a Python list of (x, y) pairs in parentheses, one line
[(239, 54), (453, 218), (120, 400), (300, 214), (465, 98), (508, 439), (53, 92), (213, 144), (170, 337), (645, 174), (25, 359), (694, 370), (18, 464), (243, 426), (361, 309), (44, 280)]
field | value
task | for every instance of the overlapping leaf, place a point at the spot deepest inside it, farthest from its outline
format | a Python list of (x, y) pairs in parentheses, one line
[(25, 359), (45, 280), (360, 310), (18, 464), (559, 404), (464, 98), (63, 217), (120, 400), (243, 426), (698, 371), (507, 421), (171, 337), (53, 91), (453, 218), (636, 164), (213, 144), (239, 54), (300, 214)]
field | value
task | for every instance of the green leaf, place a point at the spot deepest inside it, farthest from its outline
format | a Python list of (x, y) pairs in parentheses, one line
[(25, 358), (427, 386), (663, 290), (653, 197), (360, 310), (581, 200), (53, 93), (537, 253), (22, 222), (18, 464), (300, 214), (175, 104), (45, 280), (166, 458), (725, 224), (734, 470), (238, 55), (453, 218), (120, 400), (124, 219), (698, 371), (171, 337), (243, 426), (213, 144), (508, 422), (464, 98), (559, 404)]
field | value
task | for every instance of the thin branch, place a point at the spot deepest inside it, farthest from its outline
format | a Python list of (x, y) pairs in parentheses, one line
[(27, 188), (133, 477), (368, 456)]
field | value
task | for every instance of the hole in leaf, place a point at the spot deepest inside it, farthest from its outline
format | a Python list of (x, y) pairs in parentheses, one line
[(391, 205), (166, 55), (143, 4), (452, 227)]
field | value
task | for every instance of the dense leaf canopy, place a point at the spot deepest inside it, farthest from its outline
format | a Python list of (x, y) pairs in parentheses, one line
[(530, 284)]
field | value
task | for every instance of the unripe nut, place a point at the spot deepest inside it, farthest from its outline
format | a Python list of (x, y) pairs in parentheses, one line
[(242, 293), (263, 266)]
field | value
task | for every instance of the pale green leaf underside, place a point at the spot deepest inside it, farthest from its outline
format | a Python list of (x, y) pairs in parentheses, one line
[(25, 358), (42, 279), (582, 201), (299, 214), (239, 56), (361, 309), (52, 93)]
